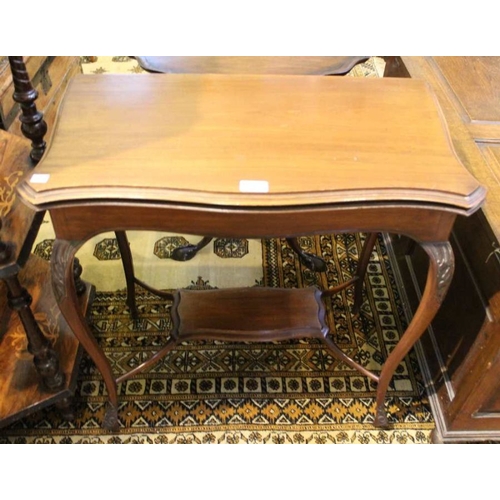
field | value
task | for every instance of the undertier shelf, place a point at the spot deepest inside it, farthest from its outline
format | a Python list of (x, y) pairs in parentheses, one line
[(248, 314)]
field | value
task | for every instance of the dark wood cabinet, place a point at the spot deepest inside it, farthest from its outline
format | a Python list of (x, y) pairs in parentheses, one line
[(461, 352)]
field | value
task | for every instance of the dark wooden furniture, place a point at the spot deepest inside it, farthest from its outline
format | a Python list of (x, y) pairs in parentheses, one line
[(251, 65), (461, 354), (203, 137), (49, 76), (38, 353), (261, 65)]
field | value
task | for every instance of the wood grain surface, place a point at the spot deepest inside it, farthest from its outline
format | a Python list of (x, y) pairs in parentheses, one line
[(476, 85), (20, 390), (16, 218), (193, 138), (466, 89), (249, 314)]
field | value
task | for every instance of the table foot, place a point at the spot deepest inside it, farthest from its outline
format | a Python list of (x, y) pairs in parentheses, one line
[(187, 252), (66, 408), (381, 420), (110, 421), (311, 261), (47, 365)]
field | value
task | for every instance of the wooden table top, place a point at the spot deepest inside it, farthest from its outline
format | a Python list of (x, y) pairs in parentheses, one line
[(251, 141)]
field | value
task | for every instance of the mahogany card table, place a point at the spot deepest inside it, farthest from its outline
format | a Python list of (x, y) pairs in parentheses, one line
[(256, 157)]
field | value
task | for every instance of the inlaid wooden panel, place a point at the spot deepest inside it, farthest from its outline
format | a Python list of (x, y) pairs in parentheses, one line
[(16, 218), (20, 391)]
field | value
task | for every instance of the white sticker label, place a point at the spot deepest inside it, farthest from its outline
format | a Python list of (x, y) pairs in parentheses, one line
[(254, 187), (39, 178)]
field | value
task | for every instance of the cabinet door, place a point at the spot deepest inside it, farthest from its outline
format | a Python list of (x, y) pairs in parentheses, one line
[(462, 347)]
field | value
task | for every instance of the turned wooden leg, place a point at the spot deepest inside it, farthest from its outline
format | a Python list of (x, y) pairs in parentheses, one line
[(364, 259), (311, 261), (33, 125), (44, 357), (65, 293), (187, 252), (128, 269), (439, 275)]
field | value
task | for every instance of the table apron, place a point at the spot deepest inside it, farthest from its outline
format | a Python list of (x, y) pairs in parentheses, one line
[(80, 222)]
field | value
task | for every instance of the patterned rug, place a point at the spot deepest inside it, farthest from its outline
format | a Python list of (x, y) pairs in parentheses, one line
[(214, 392), (282, 392)]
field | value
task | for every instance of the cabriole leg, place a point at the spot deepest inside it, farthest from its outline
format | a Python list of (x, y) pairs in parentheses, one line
[(439, 275), (65, 293)]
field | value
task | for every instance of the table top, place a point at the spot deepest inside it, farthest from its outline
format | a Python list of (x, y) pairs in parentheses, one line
[(251, 141)]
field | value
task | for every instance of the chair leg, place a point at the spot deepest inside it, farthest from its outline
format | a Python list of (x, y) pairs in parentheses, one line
[(364, 259), (33, 125), (128, 269)]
